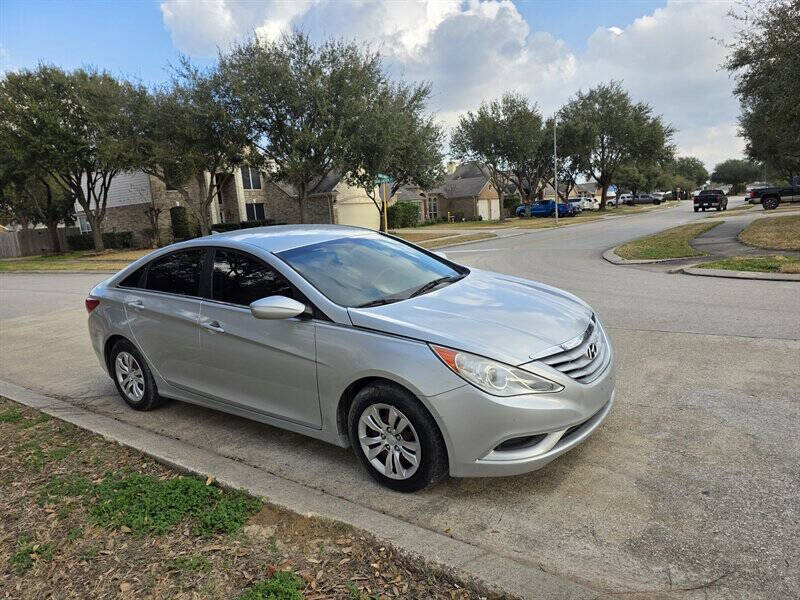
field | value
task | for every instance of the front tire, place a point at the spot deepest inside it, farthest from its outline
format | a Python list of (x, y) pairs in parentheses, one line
[(396, 439), (770, 203), (133, 377)]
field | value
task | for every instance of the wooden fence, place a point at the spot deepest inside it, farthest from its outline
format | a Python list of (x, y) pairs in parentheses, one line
[(32, 241)]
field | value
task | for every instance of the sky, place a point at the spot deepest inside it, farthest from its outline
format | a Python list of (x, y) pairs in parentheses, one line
[(667, 53)]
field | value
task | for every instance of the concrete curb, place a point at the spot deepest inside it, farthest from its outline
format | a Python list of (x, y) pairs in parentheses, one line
[(470, 561), (740, 274), (611, 256)]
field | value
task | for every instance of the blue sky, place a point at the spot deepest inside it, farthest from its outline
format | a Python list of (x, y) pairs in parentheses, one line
[(470, 50)]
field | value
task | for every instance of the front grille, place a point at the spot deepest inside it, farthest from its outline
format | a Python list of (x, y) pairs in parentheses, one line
[(574, 359), (527, 441)]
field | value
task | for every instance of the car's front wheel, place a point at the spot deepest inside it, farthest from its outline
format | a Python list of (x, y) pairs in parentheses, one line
[(396, 439), (133, 378)]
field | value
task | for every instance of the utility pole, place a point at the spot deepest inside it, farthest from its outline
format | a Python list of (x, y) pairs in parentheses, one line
[(555, 168)]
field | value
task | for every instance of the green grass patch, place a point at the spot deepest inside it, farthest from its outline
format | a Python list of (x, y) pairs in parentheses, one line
[(11, 415), (764, 264), (29, 552), (283, 585), (189, 563), (671, 243), (66, 486), (41, 418), (146, 504), (774, 233)]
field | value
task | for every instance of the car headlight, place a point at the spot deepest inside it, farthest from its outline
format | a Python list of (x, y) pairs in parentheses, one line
[(494, 377)]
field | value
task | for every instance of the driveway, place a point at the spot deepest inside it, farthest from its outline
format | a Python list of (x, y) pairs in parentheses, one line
[(689, 488)]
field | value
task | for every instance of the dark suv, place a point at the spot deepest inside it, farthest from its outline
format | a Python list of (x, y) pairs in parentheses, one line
[(711, 199)]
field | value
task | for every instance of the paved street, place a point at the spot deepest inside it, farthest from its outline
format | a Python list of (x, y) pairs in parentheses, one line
[(690, 487)]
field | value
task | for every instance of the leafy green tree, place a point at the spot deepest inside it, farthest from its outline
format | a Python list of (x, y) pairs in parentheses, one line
[(194, 137), (572, 140), (617, 131), (736, 172), (529, 153), (482, 137), (765, 61), (303, 103), (395, 137), (81, 128), (690, 168)]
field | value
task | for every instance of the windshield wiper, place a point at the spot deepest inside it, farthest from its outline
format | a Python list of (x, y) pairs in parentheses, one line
[(432, 284), (378, 302)]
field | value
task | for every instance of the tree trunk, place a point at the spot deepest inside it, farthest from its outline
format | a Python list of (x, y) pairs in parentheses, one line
[(52, 229), (502, 208), (603, 195), (302, 200), (97, 234)]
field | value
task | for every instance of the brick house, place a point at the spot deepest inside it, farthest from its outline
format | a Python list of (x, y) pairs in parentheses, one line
[(247, 196)]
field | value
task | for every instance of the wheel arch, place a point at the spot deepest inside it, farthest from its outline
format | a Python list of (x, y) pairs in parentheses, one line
[(108, 345)]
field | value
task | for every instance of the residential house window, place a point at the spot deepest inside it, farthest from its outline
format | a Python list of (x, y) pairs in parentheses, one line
[(255, 211), (433, 209), (83, 224), (251, 178)]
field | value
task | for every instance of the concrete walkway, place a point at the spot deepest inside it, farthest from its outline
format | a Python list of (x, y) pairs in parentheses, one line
[(723, 241)]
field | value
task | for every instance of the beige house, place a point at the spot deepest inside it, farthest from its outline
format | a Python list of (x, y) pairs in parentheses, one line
[(249, 195)]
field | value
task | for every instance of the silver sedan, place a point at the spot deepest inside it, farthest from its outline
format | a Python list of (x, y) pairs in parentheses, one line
[(425, 367)]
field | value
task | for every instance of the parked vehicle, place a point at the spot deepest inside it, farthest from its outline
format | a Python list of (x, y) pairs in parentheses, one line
[(711, 199), (360, 339), (660, 196), (622, 199), (642, 199), (771, 197), (589, 204), (545, 208), (575, 203)]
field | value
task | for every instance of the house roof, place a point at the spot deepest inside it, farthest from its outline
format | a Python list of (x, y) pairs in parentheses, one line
[(466, 181)]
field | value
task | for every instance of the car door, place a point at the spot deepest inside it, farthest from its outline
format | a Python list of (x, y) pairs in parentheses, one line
[(267, 366), (163, 314)]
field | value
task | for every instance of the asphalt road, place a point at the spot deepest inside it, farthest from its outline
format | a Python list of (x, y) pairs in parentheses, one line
[(691, 486)]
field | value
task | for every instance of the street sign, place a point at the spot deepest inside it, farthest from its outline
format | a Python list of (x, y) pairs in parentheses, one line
[(380, 179)]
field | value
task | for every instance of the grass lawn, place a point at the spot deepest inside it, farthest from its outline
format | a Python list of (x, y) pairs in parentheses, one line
[(87, 518), (769, 264), (773, 233), (110, 260), (672, 243)]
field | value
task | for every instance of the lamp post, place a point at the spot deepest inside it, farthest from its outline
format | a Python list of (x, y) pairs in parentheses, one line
[(555, 169)]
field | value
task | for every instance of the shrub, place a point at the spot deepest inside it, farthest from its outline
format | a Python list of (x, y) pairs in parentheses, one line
[(81, 241), (403, 214), (180, 222), (220, 227), (113, 239)]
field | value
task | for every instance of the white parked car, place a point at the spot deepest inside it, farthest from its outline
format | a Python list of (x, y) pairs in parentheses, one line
[(590, 204), (659, 196)]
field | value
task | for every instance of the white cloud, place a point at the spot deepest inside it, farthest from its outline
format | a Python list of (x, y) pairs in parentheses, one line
[(477, 50)]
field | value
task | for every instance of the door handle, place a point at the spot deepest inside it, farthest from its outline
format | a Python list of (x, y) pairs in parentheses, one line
[(213, 326), (135, 303)]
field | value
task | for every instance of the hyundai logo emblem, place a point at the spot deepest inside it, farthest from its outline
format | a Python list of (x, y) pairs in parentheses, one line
[(591, 352)]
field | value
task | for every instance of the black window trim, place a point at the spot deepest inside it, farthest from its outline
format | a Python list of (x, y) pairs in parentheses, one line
[(315, 312)]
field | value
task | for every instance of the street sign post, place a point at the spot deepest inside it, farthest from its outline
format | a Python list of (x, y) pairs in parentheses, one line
[(384, 181)]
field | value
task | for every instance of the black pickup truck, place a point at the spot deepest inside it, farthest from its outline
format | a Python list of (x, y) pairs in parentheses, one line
[(771, 197), (711, 199)]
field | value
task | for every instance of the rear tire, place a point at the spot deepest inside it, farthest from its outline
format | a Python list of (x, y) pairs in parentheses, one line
[(696, 209), (133, 377), (770, 202), (377, 417)]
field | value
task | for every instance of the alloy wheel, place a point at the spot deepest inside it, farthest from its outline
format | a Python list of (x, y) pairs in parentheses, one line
[(130, 376), (389, 441)]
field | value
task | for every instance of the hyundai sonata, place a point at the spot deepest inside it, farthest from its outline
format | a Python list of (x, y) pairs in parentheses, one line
[(423, 366)]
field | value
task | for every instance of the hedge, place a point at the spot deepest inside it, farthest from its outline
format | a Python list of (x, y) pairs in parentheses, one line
[(220, 227), (403, 214), (114, 239)]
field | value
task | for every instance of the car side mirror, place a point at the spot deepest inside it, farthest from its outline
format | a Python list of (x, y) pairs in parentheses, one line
[(276, 307), (441, 255)]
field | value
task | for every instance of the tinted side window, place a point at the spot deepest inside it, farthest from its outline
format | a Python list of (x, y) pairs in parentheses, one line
[(240, 279), (133, 280), (177, 273)]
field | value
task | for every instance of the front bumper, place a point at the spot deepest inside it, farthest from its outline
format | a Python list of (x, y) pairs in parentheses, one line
[(475, 424)]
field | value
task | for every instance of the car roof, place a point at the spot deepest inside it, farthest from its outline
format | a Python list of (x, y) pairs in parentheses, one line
[(277, 238)]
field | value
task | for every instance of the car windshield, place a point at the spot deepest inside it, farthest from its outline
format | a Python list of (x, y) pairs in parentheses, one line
[(367, 271)]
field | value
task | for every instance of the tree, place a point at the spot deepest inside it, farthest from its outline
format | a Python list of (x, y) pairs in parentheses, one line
[(767, 83), (79, 127), (528, 151), (481, 137), (194, 137), (303, 103), (572, 140), (690, 168), (617, 132), (736, 172), (396, 138)]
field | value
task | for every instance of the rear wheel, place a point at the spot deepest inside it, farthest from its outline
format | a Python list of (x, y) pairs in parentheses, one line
[(133, 377), (396, 439), (696, 209), (770, 202)]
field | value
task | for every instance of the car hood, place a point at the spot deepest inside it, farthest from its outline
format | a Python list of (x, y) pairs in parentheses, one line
[(502, 317)]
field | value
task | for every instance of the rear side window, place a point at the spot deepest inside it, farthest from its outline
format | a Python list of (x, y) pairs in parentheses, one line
[(134, 280), (241, 279), (176, 273)]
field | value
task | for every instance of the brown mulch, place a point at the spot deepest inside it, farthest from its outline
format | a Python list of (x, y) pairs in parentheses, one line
[(70, 557)]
